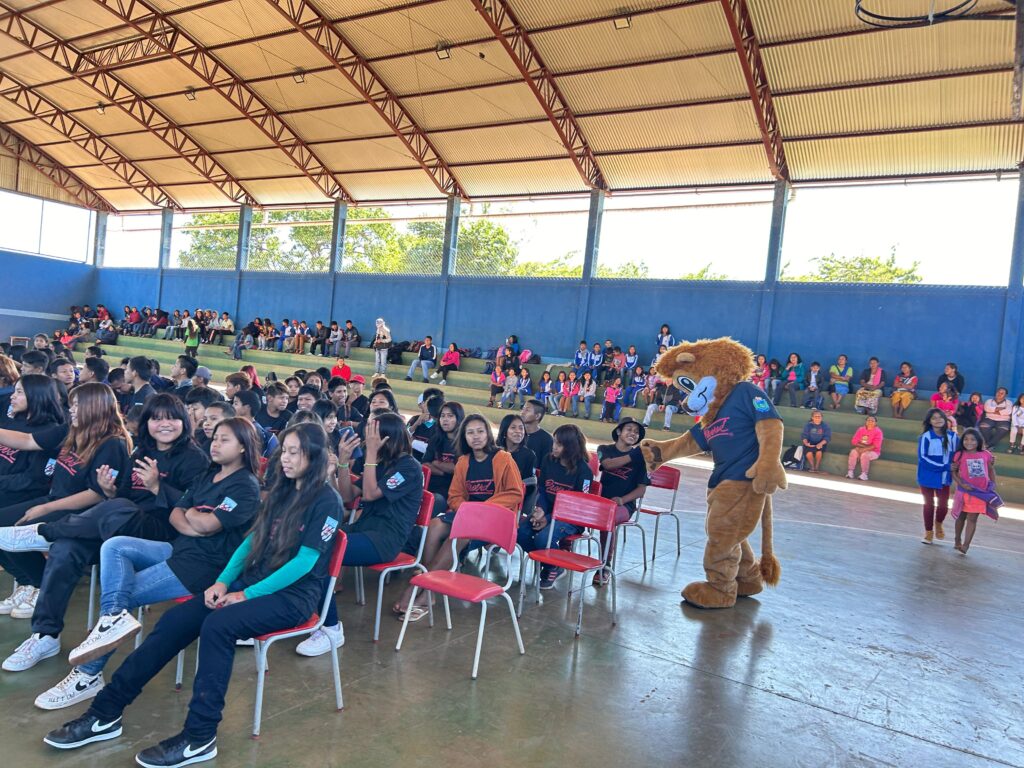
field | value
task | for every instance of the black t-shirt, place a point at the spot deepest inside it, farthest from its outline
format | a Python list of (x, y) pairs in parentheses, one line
[(178, 469), (347, 415), (387, 521), (198, 560), (540, 443), (361, 404), (273, 424), (319, 526), (441, 448), (71, 475), (480, 479), (141, 396), (526, 461), (619, 482), (422, 435), (24, 472), (554, 478)]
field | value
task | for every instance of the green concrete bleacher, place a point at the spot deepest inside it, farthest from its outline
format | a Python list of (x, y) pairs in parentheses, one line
[(897, 465)]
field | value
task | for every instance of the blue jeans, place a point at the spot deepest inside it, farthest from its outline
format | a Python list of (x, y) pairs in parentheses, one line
[(237, 348), (359, 551), (531, 540), (426, 365), (587, 404)]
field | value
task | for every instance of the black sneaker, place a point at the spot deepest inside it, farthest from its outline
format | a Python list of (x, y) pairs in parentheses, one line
[(177, 751), (548, 577), (81, 731)]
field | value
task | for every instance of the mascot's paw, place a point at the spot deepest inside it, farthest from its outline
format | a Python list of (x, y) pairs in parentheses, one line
[(652, 454), (748, 588), (703, 595), (768, 477)]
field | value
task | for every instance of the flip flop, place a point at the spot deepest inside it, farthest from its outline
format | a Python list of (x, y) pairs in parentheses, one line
[(415, 614)]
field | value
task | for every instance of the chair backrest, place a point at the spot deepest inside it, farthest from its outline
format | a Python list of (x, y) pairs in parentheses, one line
[(426, 509), (585, 510), (665, 477), (594, 464), (337, 554), (595, 488), (483, 521), (426, 476)]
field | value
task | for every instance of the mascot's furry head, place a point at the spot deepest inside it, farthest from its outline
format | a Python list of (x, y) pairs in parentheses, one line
[(706, 372)]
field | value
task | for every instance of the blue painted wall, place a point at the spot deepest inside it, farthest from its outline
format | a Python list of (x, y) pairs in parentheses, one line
[(35, 292)]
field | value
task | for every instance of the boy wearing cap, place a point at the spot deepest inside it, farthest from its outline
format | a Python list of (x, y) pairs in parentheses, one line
[(356, 399), (202, 377)]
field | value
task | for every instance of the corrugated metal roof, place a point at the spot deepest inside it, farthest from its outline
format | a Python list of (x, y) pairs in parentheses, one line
[(948, 151), (507, 142), (71, 94), (521, 178), (393, 185), (198, 195), (425, 72), (9, 47), (276, 56), (497, 104), (32, 182), (691, 167), (337, 9), (683, 30), (71, 154), (170, 171), (127, 200), (162, 77), (339, 123), (99, 176), (257, 163), (320, 89), (297, 191), (181, 110), (32, 70), (113, 120), (545, 13), (37, 131), (73, 17), (237, 134), (232, 20), (365, 154), (139, 146), (681, 126), (413, 28)]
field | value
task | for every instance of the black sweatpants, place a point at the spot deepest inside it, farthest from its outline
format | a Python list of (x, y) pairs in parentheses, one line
[(217, 632)]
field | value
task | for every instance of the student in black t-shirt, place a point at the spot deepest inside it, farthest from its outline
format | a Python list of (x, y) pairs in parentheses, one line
[(34, 409), (210, 519), (624, 477), (423, 425), (274, 416), (348, 416), (441, 454), (215, 414), (564, 469), (137, 374), (356, 398), (391, 488), (97, 437), (273, 581), (512, 437), (329, 419), (537, 440), (247, 404)]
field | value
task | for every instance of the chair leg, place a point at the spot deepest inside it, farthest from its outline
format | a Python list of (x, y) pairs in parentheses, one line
[(479, 635), (380, 601), (179, 671), (515, 622), (615, 617), (405, 621), (261, 673), (522, 585), (579, 615), (92, 599), (654, 545), (360, 587), (643, 542), (335, 668), (447, 612), (679, 534), (140, 616)]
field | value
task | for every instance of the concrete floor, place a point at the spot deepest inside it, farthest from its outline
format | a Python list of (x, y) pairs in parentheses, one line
[(874, 650)]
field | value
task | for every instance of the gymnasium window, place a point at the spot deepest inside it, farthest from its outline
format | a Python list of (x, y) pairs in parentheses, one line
[(133, 241), (394, 240), (31, 225)]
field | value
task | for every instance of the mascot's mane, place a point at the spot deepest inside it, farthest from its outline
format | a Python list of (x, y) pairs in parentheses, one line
[(727, 360)]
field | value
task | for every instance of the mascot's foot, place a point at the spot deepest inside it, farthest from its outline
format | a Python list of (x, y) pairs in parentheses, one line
[(748, 588), (703, 595)]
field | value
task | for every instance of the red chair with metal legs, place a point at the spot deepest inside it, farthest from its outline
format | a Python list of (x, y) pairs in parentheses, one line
[(404, 561), (474, 521), (583, 510), (316, 621), (667, 478)]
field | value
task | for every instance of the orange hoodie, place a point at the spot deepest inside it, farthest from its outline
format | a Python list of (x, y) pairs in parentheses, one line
[(508, 485)]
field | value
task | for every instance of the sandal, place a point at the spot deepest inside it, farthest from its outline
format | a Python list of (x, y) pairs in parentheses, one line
[(415, 614)]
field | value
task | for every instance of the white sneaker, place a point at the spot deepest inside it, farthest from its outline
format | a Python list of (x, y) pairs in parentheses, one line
[(850, 474), (245, 643), (8, 603), (31, 652), (22, 538), (110, 631), (26, 606), (443, 382), (433, 375), (863, 475), (318, 643), (76, 687)]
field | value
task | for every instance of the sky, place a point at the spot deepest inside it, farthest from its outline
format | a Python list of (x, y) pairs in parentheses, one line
[(960, 232)]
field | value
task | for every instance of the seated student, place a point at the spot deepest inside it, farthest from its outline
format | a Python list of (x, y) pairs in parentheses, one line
[(555, 400), (216, 412), (947, 400), (302, 335), (96, 438), (624, 477), (450, 361), (33, 419), (872, 386), (334, 340), (546, 390), (137, 374), (995, 423), (234, 383), (595, 361), (63, 371), (320, 334), (588, 391), (308, 395), (636, 385), (165, 462), (196, 401), (391, 488), (314, 379), (581, 360), (34, 361), (608, 367), (182, 371), (350, 337), (348, 416), (274, 416), (815, 438), (524, 388), (328, 415), (814, 381), (356, 399), (441, 453), (426, 359), (423, 425), (293, 384), (497, 386), (667, 401), (759, 376), (244, 339), (568, 392), (792, 379), (341, 370), (662, 349), (564, 469), (483, 472), (94, 369), (273, 581), (511, 387), (247, 406), (952, 377), (904, 389), (512, 438), (867, 446), (9, 376), (271, 336)]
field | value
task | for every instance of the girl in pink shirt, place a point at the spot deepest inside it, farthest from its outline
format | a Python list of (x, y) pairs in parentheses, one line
[(974, 471), (760, 374), (612, 393), (867, 446), (947, 400)]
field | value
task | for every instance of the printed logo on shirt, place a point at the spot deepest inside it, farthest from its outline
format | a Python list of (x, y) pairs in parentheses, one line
[(69, 461), (976, 468), (394, 481), (228, 504), (761, 405), (330, 526), (553, 488), (138, 485), (718, 428), (10, 455), (480, 487), (51, 465)]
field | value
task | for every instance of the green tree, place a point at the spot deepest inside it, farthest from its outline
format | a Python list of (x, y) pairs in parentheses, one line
[(626, 270), (858, 269), (485, 248), (371, 247), (211, 248), (704, 273)]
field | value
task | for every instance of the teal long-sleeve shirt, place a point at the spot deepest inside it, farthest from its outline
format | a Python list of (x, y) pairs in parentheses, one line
[(283, 577)]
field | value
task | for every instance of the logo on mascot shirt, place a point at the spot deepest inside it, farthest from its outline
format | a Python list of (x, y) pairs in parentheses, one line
[(761, 405)]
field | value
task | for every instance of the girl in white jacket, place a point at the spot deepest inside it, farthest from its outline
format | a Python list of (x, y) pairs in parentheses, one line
[(1017, 425)]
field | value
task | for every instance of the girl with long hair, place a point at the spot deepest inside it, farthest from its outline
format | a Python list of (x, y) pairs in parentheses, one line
[(935, 449), (34, 412), (442, 451)]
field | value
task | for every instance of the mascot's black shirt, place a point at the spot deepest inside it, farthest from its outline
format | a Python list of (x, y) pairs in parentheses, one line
[(731, 437)]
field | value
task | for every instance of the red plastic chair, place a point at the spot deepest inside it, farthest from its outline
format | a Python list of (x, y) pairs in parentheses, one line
[(308, 627), (668, 478), (479, 521), (595, 490), (404, 561), (584, 510), (594, 464)]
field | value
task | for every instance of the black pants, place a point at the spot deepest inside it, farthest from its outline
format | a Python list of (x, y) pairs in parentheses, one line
[(993, 431), (444, 370), (76, 542), (217, 632), (26, 567), (322, 343)]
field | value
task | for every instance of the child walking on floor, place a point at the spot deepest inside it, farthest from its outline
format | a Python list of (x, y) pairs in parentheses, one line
[(935, 450), (974, 473)]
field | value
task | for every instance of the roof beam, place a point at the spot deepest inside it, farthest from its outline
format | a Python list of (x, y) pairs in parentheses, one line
[(316, 29), (517, 44), (22, 29), (741, 26), (78, 133), (28, 153), (161, 33)]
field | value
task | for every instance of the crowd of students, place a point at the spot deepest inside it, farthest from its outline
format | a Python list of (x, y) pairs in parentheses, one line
[(230, 504)]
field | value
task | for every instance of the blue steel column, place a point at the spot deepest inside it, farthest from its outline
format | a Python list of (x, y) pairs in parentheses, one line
[(337, 247), (99, 239), (773, 266), (590, 252), (164, 257), (449, 254), (1008, 348), (241, 257)]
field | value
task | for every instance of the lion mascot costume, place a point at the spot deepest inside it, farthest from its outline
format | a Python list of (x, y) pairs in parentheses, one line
[(743, 431)]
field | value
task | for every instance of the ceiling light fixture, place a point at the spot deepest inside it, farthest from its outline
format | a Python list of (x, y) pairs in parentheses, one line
[(443, 51), (623, 22), (101, 108), (299, 76), (190, 94)]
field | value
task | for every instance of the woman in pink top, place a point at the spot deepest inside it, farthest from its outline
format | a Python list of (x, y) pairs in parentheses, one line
[(867, 446), (449, 362), (760, 374), (947, 400)]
